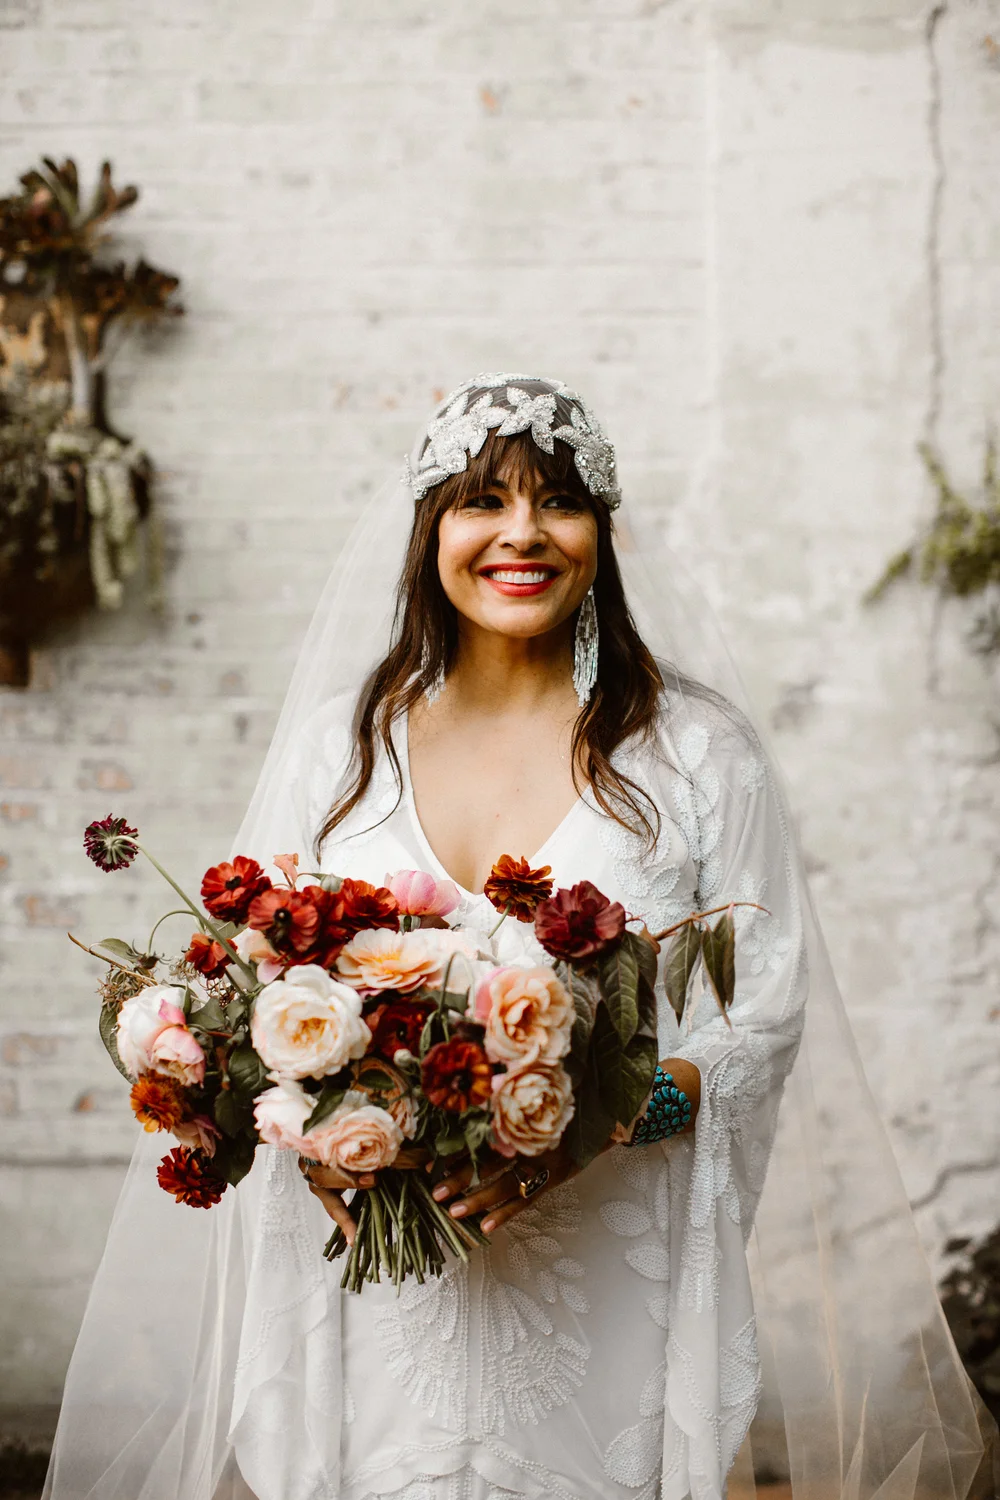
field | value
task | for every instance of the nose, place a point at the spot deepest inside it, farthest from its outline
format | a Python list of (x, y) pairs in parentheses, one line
[(523, 530)]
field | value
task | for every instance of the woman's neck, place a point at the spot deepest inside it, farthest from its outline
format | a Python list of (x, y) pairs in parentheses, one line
[(492, 671)]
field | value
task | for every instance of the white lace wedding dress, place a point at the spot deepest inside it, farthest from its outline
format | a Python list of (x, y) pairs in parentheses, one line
[(605, 1345)]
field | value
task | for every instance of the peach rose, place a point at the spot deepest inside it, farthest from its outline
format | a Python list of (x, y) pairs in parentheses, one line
[(528, 1015), (140, 1022), (253, 947), (420, 895), (402, 961), (357, 1137), (177, 1052), (531, 1109), (308, 1024), (280, 1114)]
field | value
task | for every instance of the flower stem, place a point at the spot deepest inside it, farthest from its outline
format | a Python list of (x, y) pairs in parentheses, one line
[(698, 916), (503, 917), (203, 921)]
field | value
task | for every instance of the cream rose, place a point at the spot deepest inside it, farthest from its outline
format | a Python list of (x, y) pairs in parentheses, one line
[(308, 1025), (280, 1114), (140, 1023), (403, 961), (198, 1134), (528, 1015), (357, 1137), (531, 1109)]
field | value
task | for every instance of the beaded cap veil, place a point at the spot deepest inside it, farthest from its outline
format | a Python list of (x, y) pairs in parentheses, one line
[(197, 1319)]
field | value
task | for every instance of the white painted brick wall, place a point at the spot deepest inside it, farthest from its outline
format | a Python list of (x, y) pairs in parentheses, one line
[(721, 233)]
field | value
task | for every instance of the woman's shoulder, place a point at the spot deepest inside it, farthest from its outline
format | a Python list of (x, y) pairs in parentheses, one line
[(698, 727)]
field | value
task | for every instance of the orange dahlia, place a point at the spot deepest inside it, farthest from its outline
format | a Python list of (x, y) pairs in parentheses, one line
[(159, 1102), (516, 889), (190, 1177), (457, 1075)]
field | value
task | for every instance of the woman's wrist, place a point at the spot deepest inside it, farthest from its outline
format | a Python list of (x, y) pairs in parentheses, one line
[(672, 1105)]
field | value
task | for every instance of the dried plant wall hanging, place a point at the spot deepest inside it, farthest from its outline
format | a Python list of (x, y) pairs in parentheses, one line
[(72, 490)]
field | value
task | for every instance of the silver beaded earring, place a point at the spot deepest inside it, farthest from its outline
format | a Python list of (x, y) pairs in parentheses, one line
[(435, 687), (585, 646)]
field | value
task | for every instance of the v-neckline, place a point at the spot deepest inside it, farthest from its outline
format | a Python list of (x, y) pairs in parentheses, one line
[(401, 734)]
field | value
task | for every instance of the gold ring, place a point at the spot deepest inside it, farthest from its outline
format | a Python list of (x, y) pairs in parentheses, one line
[(529, 1181)]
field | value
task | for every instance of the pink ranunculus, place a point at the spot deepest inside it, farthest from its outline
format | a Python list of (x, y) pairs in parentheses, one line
[(420, 895), (140, 1022), (280, 1114), (253, 947), (198, 1134), (177, 1052)]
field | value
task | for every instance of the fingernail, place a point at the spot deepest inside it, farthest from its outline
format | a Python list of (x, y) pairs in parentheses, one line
[(440, 1193), (487, 1225), (458, 1210)]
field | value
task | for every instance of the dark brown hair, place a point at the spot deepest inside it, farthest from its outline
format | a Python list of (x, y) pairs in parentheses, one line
[(623, 705)]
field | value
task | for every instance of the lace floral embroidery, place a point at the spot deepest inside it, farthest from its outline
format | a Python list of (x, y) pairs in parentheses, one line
[(424, 1336), (530, 1365)]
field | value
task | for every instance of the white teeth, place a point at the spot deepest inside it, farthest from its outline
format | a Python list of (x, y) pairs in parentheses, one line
[(510, 576)]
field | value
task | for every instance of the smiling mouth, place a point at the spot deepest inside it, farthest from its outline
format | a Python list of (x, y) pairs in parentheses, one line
[(521, 582)]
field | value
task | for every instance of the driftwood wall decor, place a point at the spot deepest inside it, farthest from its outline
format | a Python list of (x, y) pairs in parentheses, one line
[(72, 490)]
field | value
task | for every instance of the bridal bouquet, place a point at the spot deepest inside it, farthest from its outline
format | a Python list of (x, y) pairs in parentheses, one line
[(348, 1023)]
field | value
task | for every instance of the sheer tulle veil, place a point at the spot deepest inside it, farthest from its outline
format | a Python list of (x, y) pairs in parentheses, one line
[(864, 1397)]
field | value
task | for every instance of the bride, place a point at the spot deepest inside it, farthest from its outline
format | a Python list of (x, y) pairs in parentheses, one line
[(607, 1343)]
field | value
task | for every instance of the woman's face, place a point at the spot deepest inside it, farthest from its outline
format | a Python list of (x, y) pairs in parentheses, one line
[(518, 561)]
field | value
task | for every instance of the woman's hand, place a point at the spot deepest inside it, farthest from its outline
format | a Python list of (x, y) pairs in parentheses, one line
[(329, 1183), (499, 1192)]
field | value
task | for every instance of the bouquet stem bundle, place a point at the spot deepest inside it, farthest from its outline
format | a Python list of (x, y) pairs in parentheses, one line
[(401, 1230)]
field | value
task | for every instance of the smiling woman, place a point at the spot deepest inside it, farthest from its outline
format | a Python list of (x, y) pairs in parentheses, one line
[(603, 1342)]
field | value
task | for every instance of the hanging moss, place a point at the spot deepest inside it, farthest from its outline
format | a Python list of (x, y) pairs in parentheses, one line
[(959, 552)]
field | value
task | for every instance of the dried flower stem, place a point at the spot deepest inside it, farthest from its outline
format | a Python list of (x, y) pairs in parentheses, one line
[(699, 916), (115, 963)]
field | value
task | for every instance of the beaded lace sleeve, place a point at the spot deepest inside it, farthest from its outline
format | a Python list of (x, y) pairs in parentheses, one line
[(723, 797)]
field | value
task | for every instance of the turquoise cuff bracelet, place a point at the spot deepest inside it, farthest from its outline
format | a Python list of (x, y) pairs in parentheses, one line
[(667, 1113)]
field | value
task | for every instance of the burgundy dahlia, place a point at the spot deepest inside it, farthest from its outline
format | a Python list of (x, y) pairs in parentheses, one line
[(578, 924), (190, 1177), (228, 889), (111, 843)]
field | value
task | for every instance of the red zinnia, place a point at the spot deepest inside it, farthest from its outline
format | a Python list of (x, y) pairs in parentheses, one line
[(367, 906), (189, 1176), (515, 888), (457, 1076), (290, 919), (397, 1023), (207, 956), (578, 924), (228, 889)]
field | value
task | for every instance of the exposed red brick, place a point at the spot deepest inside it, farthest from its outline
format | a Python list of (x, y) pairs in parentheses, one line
[(19, 812), (25, 1047), (21, 771), (104, 776)]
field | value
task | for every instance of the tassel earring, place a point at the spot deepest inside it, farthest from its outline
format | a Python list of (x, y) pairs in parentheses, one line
[(585, 647)]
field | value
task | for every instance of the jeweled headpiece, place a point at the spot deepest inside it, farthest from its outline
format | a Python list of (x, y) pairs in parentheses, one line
[(508, 404)]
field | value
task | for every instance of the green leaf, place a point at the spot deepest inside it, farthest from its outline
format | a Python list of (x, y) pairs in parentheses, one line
[(234, 1157), (718, 949), (682, 958), (208, 1017), (247, 1074), (448, 1141), (231, 1115), (456, 1000), (122, 950), (226, 930), (331, 883), (587, 1132), (619, 977), (638, 1069), (107, 1025), (475, 1129), (329, 1098), (586, 998)]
